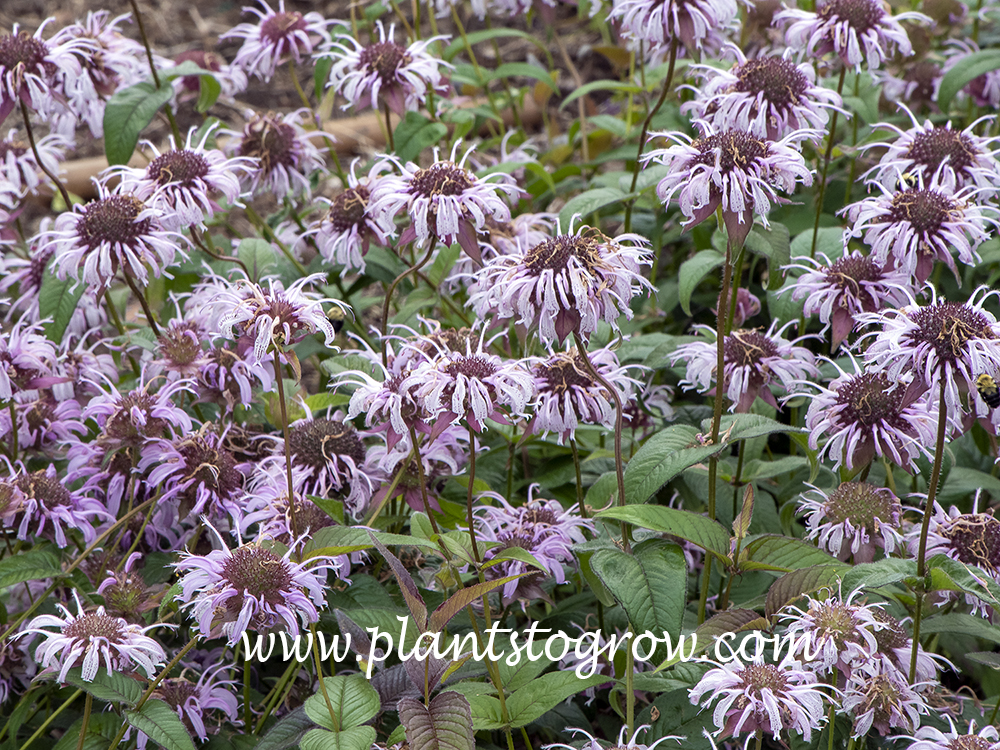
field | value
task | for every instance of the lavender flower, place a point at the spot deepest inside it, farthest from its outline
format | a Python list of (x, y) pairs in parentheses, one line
[(345, 231), (569, 396), (402, 77), (732, 169), (566, 284), (839, 634), (877, 695), (115, 232), (39, 505), (31, 69), (768, 97), (88, 638), (131, 419), (631, 744), (276, 317), (868, 414), (249, 587), (16, 668), (333, 459), (854, 283), (194, 700), (856, 30), (759, 696), (753, 361), (473, 386), (542, 527), (911, 228), (971, 538), (442, 458), (855, 519), (182, 182), (227, 378), (20, 169), (960, 156), (947, 342), (179, 349), (931, 738), (277, 36), (895, 648), (444, 201), (285, 153), (918, 84), (691, 22), (26, 359)]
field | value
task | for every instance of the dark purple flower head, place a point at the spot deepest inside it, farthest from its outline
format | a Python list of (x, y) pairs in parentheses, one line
[(542, 527), (444, 201), (230, 591), (565, 285), (733, 169), (19, 166), (942, 341), (754, 361), (179, 348), (854, 283), (768, 97), (403, 77), (227, 378), (285, 154), (959, 156), (910, 228), (568, 395), (857, 30), (276, 37), (855, 519), (115, 232), (131, 419), (89, 639), (972, 538), (896, 647), (768, 697), (868, 414)]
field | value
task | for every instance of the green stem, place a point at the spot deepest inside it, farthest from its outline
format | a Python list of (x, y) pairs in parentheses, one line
[(392, 287), (579, 477), (167, 109), (142, 302), (388, 127), (469, 497), (925, 527), (87, 706), (49, 719), (288, 443), (826, 165), (38, 159)]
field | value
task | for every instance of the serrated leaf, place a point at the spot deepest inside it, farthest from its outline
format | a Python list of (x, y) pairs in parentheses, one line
[(342, 540), (114, 687), (661, 458), (126, 114), (57, 301), (741, 524), (485, 710), (967, 69), (545, 693), (462, 599), (650, 584), (257, 255), (589, 201), (287, 732), (880, 573), (683, 524), (32, 565), (445, 724), (988, 658), (411, 595), (962, 577), (963, 624), (803, 581), (693, 270), (774, 244), (355, 738), (161, 724), (354, 702), (782, 553)]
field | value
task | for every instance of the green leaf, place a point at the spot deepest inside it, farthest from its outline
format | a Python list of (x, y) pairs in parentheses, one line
[(747, 426), (664, 456), (545, 693), (161, 724), (321, 74), (650, 584), (602, 85), (741, 524), (209, 90), (445, 724), (879, 573), (353, 699), (683, 524), (775, 245), (588, 202), (355, 738), (126, 114), (966, 70), (411, 594), (527, 70), (114, 687), (415, 133), (782, 553), (462, 599), (988, 658), (32, 565), (57, 302), (101, 729), (962, 624), (957, 576), (792, 585), (485, 710), (287, 732), (342, 540), (693, 270), (258, 255), (475, 37)]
